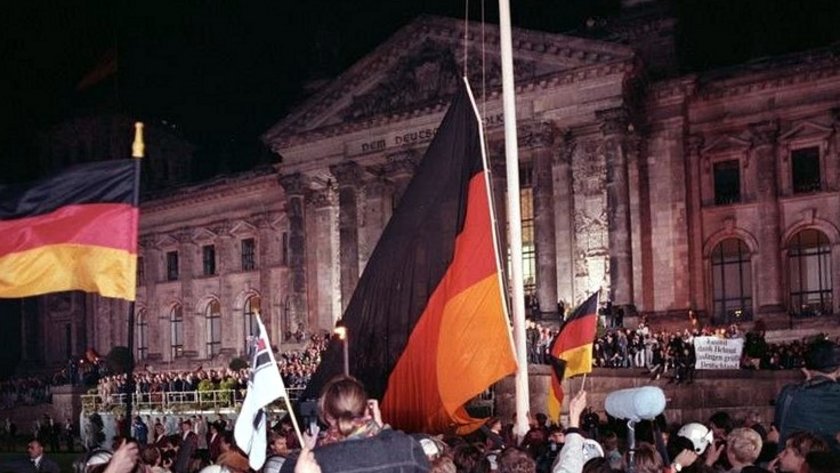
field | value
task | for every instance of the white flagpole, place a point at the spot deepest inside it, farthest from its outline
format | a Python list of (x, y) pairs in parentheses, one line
[(514, 220)]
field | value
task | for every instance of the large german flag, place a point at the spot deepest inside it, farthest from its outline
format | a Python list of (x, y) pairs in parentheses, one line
[(76, 230), (570, 353), (427, 326)]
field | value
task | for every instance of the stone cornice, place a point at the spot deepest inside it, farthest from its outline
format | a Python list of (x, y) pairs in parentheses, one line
[(348, 173), (294, 184), (776, 73), (538, 135), (280, 143), (211, 190)]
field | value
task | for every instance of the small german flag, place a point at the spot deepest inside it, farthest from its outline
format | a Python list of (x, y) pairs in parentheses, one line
[(570, 353), (76, 230), (426, 325)]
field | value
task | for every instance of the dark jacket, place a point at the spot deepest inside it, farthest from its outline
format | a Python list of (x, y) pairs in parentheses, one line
[(389, 451), (812, 406)]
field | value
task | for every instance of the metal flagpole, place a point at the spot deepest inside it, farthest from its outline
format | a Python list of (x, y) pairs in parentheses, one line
[(137, 152), (514, 220)]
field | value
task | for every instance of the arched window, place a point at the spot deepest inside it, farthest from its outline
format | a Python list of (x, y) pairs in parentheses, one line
[(141, 342), (252, 307), (809, 258), (213, 314), (731, 281), (176, 324)]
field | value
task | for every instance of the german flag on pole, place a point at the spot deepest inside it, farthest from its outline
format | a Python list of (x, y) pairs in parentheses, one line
[(76, 230), (427, 326), (570, 353)]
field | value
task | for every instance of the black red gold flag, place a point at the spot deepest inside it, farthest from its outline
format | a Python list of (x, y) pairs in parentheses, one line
[(76, 230), (426, 324), (570, 353)]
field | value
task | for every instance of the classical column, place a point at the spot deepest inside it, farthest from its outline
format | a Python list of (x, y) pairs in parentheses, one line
[(694, 209), (296, 186), (399, 169), (763, 163), (187, 250), (541, 138), (326, 281), (564, 225), (613, 130), (498, 180), (349, 176)]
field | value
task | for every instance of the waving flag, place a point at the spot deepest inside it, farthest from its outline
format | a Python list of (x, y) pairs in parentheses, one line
[(264, 387), (427, 326), (570, 353), (76, 230)]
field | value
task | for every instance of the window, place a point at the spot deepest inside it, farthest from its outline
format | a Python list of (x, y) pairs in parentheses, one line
[(731, 281), (141, 271), (252, 307), (208, 259), (805, 164), (176, 323), (249, 261), (141, 343), (727, 182), (213, 313), (809, 256), (526, 207), (171, 265)]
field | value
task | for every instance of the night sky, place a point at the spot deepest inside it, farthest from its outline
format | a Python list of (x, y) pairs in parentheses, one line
[(225, 71)]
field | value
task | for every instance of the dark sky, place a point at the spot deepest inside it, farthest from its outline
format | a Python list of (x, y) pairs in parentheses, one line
[(224, 71)]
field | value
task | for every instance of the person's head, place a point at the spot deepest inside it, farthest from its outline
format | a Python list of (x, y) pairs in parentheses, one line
[(277, 443), (556, 435), (150, 456), (721, 424), (343, 400), (467, 457), (797, 447), (823, 356), (541, 419), (743, 446), (34, 448), (610, 440), (186, 426), (597, 465), (443, 464), (646, 459), (226, 441), (514, 460), (494, 424)]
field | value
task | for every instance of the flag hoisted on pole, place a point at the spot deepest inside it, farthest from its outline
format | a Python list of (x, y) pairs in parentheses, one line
[(429, 305), (265, 385), (570, 353), (76, 230)]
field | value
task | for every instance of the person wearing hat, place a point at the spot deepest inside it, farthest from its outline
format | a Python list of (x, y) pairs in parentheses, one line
[(814, 404)]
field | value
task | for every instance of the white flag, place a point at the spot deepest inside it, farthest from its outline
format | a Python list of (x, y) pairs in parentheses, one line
[(264, 386)]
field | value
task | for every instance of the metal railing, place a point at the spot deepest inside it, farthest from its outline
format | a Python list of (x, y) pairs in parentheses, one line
[(162, 401)]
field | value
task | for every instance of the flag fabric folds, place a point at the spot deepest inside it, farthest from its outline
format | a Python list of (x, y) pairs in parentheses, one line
[(76, 230), (570, 353), (426, 325), (265, 385)]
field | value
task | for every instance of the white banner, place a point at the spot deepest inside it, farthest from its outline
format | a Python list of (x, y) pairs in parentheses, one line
[(715, 353)]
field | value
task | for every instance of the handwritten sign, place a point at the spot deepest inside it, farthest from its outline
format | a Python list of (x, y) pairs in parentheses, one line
[(715, 353)]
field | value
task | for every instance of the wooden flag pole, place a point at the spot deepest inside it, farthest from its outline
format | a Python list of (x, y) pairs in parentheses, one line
[(294, 420)]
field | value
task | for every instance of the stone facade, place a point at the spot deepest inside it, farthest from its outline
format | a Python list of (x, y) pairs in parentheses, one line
[(639, 187)]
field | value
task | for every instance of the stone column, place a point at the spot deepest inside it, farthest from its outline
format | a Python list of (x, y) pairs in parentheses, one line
[(349, 177), (498, 183), (266, 261), (187, 251), (376, 209), (763, 164), (399, 169), (296, 186), (564, 225), (613, 130), (541, 138), (694, 209)]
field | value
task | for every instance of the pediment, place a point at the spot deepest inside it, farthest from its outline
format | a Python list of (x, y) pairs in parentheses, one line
[(727, 144), (807, 130), (166, 241), (419, 68), (242, 228), (201, 235)]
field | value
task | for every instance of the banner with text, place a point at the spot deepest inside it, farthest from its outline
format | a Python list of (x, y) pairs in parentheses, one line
[(715, 353)]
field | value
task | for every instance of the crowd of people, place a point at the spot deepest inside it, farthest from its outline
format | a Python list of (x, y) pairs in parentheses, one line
[(803, 437)]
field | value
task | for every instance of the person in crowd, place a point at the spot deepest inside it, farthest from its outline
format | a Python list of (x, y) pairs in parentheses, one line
[(645, 460), (687, 445), (577, 449), (356, 438), (492, 430), (797, 447), (814, 404), (186, 448), (214, 442), (822, 462), (140, 431), (35, 462), (515, 460)]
